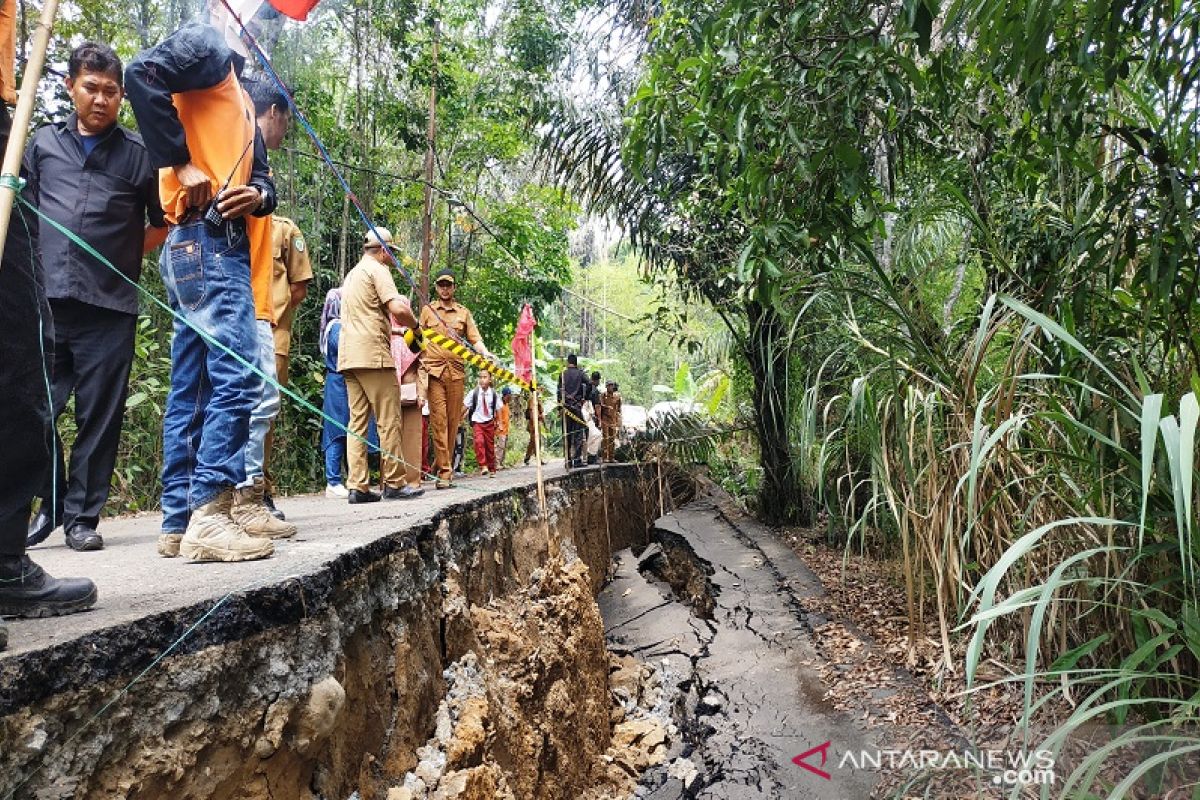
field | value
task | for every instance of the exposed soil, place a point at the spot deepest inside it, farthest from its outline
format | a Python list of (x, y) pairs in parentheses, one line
[(535, 707)]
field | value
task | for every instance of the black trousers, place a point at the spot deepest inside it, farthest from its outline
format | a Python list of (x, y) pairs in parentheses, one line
[(576, 435), (93, 352), (26, 342)]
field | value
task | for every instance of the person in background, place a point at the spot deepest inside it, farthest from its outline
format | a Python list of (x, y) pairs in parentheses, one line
[(573, 392), (503, 420), (292, 271), (412, 399), (369, 296), (460, 448), (26, 427), (480, 408), (445, 370), (199, 127), (336, 408), (594, 437), (533, 411), (597, 391), (273, 117), (610, 418), (95, 179), (426, 455)]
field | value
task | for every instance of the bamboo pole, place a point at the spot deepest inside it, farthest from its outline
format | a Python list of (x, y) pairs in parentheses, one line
[(11, 167), (534, 414)]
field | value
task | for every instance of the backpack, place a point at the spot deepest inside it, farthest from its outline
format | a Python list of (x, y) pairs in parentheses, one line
[(475, 403)]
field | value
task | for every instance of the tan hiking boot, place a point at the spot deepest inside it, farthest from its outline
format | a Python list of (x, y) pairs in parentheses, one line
[(253, 517), (212, 535), (168, 544)]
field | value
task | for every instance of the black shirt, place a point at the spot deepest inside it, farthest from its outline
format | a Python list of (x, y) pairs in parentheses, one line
[(106, 199), (573, 387)]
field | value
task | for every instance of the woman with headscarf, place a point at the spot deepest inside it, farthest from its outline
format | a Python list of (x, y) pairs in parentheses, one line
[(336, 406)]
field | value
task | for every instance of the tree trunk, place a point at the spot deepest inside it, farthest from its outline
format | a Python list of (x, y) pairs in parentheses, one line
[(782, 498)]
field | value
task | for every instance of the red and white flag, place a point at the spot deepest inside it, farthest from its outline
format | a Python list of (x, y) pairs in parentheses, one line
[(522, 344), (246, 9)]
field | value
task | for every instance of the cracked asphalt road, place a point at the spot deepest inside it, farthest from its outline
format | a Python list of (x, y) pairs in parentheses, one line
[(751, 695)]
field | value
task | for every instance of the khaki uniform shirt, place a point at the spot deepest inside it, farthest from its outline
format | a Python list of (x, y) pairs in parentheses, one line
[(610, 409), (366, 325), (457, 323), (291, 266)]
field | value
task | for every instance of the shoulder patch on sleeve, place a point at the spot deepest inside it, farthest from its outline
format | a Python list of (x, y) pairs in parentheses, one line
[(298, 243)]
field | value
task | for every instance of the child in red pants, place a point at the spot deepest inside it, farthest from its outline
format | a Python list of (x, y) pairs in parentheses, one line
[(479, 406)]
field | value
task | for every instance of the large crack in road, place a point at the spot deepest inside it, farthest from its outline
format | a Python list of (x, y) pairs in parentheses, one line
[(716, 608)]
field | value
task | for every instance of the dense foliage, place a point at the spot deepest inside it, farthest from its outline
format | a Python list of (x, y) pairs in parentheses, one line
[(955, 248)]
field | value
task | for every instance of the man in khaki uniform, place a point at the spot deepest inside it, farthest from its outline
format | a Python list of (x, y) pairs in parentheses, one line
[(289, 285), (610, 419), (446, 371), (369, 294)]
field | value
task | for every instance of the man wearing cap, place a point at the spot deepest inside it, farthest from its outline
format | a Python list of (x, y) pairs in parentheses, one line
[(369, 294), (447, 374), (610, 419)]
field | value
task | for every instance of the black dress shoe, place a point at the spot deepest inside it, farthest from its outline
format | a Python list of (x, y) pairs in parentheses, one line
[(84, 538), (269, 502), (27, 591), (362, 497), (40, 527)]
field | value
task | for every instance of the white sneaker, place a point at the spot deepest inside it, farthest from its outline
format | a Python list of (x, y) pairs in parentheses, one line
[(336, 491)]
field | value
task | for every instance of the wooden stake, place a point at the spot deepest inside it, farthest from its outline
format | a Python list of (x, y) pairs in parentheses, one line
[(534, 410), (11, 167)]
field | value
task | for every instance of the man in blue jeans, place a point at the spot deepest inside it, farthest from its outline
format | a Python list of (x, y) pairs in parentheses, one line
[(199, 127)]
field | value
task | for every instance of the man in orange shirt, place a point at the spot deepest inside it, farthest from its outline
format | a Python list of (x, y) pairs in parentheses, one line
[(199, 128)]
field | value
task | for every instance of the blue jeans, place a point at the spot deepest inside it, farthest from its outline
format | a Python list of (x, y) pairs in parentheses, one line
[(207, 418), (267, 407), (335, 456)]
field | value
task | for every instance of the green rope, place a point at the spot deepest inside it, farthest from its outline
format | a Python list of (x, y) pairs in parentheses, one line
[(299, 399), (124, 691)]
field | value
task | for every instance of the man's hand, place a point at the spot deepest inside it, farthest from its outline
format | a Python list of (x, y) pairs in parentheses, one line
[(197, 186), (296, 293), (238, 201), (401, 309)]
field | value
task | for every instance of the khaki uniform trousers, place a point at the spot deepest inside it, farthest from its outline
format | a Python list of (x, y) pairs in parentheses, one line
[(374, 391), (445, 415), (609, 445)]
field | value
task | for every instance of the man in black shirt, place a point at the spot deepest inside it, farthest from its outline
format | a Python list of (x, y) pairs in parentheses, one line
[(95, 178), (573, 390)]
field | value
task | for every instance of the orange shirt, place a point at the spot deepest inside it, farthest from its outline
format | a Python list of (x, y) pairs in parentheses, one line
[(502, 417), (262, 266), (219, 125)]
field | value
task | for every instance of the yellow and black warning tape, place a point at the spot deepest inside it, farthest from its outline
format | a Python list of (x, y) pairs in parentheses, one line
[(417, 343)]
